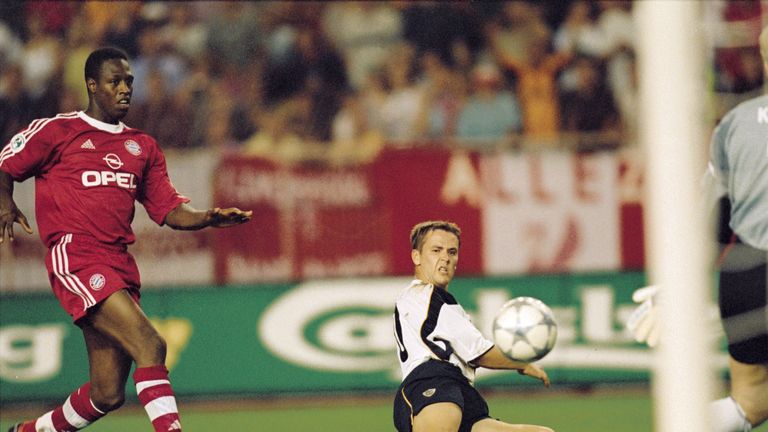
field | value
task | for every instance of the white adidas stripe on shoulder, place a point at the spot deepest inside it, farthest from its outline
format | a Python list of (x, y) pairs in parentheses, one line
[(37, 125), (34, 127)]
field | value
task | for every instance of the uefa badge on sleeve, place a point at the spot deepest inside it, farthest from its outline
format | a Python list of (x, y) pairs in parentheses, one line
[(17, 143)]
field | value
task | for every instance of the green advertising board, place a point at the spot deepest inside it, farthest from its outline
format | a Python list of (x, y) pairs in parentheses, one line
[(318, 336)]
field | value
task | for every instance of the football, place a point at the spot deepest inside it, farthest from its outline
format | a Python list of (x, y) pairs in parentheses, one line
[(525, 329)]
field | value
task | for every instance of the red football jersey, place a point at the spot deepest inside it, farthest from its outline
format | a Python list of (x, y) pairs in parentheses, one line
[(88, 175)]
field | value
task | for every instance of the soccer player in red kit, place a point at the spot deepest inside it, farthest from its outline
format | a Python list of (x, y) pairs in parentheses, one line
[(89, 170)]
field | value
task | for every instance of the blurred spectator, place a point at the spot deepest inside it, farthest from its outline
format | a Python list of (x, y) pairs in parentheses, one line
[(314, 67), (365, 33), (280, 137), (123, 25), (41, 61), (434, 26), (80, 43), (354, 140), (153, 55), (234, 34), (198, 93), (519, 25), (400, 110), (13, 17), (16, 106), (54, 16), (10, 46), (613, 42), (462, 59), (373, 94), (161, 115), (491, 113), (745, 74), (444, 95), (589, 106), (536, 88), (184, 32), (217, 130), (579, 24)]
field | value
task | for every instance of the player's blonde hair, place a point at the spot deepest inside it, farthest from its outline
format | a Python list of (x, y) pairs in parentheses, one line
[(764, 44), (419, 232)]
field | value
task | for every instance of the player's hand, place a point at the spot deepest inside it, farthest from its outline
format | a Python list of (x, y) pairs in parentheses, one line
[(222, 218), (644, 321), (534, 371), (8, 218)]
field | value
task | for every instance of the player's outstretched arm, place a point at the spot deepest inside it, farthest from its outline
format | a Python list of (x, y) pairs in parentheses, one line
[(495, 359), (9, 213), (185, 217)]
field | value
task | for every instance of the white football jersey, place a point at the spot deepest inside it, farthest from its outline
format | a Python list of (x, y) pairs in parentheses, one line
[(430, 324)]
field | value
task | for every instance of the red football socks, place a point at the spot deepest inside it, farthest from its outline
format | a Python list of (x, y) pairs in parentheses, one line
[(155, 393), (76, 413)]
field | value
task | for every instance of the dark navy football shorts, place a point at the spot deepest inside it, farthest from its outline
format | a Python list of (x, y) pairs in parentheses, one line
[(437, 381), (743, 301)]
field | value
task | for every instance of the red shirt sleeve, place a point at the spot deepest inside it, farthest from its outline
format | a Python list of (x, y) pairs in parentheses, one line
[(33, 150), (157, 194)]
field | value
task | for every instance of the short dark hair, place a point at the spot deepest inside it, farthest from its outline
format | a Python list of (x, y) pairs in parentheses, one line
[(419, 232), (98, 57)]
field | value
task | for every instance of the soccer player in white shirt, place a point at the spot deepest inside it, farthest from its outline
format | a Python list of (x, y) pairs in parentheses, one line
[(738, 167), (439, 348)]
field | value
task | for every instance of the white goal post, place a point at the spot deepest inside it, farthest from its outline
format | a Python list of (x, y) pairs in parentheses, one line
[(673, 132)]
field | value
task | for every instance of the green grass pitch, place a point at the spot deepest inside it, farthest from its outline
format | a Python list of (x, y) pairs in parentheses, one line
[(571, 412)]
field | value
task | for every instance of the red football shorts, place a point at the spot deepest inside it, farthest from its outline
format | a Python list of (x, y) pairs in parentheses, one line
[(83, 272)]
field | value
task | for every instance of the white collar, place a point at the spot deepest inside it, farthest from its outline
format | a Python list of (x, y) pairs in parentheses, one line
[(98, 124)]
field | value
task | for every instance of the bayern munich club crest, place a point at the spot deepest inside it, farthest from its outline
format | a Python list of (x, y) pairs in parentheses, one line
[(133, 147), (97, 281)]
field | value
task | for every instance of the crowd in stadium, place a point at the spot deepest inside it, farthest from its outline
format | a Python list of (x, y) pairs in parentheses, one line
[(334, 81)]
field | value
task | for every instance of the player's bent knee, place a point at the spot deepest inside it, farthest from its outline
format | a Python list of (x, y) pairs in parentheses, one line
[(107, 401)]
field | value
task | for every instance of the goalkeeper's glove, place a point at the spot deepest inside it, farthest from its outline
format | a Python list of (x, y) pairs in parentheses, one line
[(644, 321)]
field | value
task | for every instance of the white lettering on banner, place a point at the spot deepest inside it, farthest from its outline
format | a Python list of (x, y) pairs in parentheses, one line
[(247, 269), (597, 313), (31, 353), (559, 212), (352, 319), (106, 178), (286, 189), (364, 264), (461, 182)]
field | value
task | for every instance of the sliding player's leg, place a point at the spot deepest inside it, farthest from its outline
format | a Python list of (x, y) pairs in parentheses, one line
[(438, 417), (492, 425)]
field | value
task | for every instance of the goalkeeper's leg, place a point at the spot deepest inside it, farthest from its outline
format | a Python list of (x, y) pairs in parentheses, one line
[(743, 301), (749, 387)]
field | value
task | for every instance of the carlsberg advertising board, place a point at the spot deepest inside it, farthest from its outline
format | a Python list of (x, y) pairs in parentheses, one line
[(319, 336)]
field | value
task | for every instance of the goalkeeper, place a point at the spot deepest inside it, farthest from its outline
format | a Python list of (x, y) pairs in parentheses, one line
[(739, 166)]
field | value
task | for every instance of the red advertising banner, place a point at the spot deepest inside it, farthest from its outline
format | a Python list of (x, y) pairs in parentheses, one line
[(519, 213), (317, 222)]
